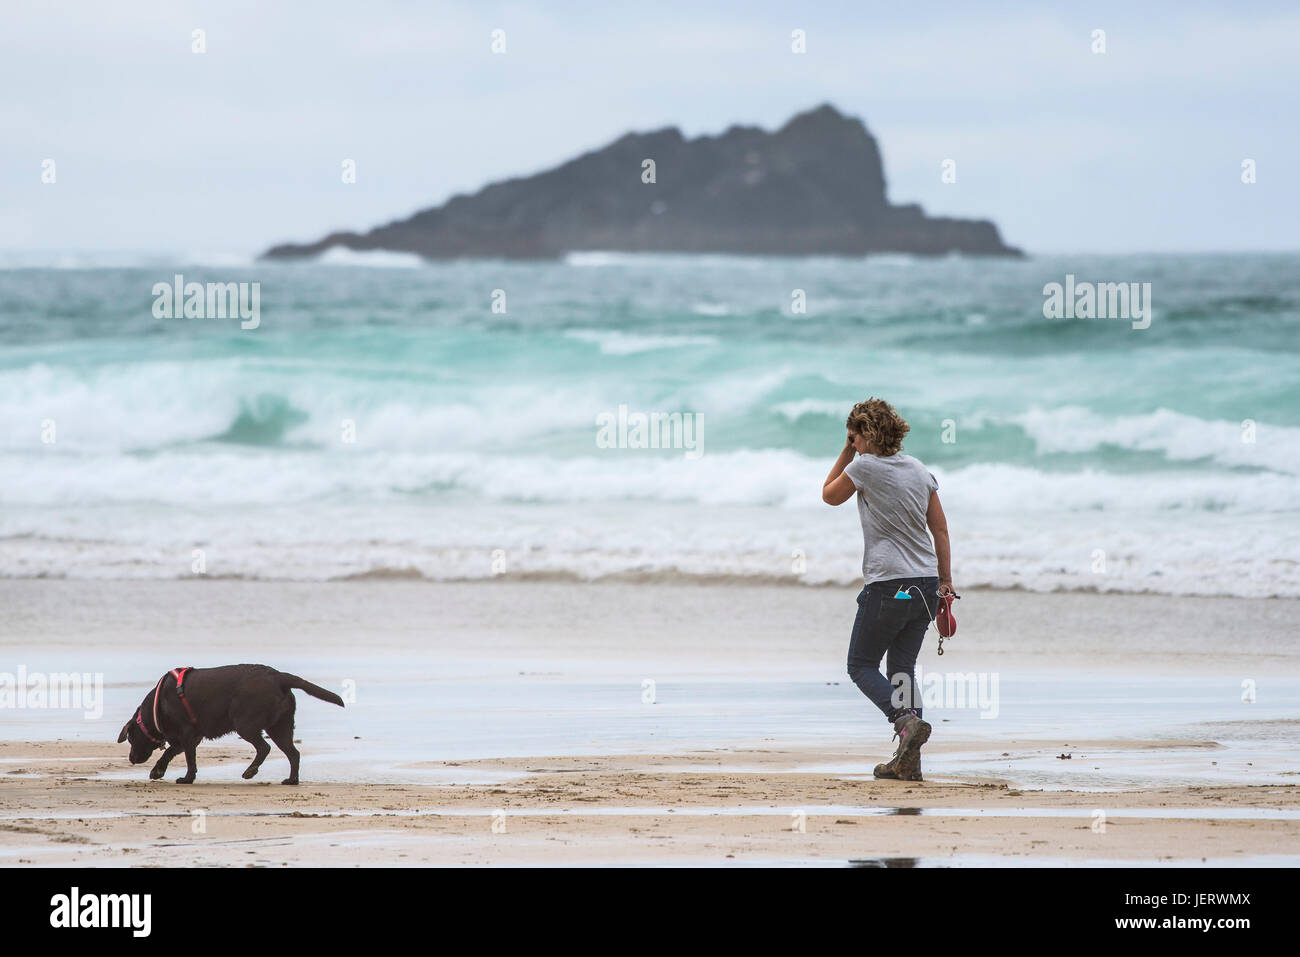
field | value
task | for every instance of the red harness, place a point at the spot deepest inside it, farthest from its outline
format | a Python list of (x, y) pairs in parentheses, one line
[(179, 674)]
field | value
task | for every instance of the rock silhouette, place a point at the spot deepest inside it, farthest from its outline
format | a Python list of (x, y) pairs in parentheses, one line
[(816, 186)]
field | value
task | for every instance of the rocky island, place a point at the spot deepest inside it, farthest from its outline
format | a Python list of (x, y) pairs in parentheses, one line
[(816, 186)]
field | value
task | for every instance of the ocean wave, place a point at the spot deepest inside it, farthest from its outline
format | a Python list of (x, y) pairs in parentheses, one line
[(772, 478), (691, 261), (135, 408), (114, 407), (1176, 436), (373, 258), (796, 410), (615, 343), (13, 259), (1248, 556), (475, 432), (161, 404)]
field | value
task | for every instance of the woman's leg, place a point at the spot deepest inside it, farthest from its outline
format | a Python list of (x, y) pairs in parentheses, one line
[(901, 664), (903, 652), (875, 630)]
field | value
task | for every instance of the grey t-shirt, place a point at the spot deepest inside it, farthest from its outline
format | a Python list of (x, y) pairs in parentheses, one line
[(893, 495)]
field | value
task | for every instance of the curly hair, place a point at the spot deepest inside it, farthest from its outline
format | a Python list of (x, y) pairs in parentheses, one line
[(880, 424)]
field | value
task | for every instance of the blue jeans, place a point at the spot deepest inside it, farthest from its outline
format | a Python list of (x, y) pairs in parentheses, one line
[(896, 626)]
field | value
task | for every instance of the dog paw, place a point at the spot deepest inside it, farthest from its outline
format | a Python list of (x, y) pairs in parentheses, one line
[(250, 773), (189, 779), (156, 773), (289, 781)]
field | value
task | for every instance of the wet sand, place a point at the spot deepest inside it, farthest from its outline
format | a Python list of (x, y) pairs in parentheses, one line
[(524, 705), (707, 808)]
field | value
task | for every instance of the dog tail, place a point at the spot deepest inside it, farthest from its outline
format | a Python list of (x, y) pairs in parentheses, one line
[(316, 691)]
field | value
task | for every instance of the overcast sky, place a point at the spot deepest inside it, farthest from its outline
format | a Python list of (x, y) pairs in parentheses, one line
[(158, 149)]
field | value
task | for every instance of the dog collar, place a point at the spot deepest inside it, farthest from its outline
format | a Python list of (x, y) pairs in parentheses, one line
[(139, 719)]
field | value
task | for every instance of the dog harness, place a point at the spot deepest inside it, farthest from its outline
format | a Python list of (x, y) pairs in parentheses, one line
[(179, 674)]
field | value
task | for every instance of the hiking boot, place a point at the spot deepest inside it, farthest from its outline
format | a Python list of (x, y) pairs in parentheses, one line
[(913, 771), (888, 770), (891, 769), (912, 732)]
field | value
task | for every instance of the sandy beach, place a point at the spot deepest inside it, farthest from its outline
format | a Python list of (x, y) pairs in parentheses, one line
[(697, 808), (533, 723)]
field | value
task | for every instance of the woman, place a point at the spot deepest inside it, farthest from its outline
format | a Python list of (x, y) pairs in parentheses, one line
[(902, 572)]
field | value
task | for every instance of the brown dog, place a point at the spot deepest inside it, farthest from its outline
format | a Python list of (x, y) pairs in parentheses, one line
[(190, 704)]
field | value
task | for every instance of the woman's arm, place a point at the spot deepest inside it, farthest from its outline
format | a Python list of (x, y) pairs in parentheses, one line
[(938, 523), (838, 487)]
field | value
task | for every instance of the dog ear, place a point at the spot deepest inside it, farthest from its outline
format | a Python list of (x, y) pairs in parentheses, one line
[(122, 737)]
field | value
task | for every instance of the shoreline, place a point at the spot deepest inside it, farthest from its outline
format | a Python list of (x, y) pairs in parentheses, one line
[(667, 578), (687, 619)]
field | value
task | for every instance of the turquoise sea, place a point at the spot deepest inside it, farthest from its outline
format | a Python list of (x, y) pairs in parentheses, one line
[(384, 419)]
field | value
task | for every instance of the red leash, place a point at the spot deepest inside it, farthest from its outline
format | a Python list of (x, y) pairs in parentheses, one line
[(944, 619)]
